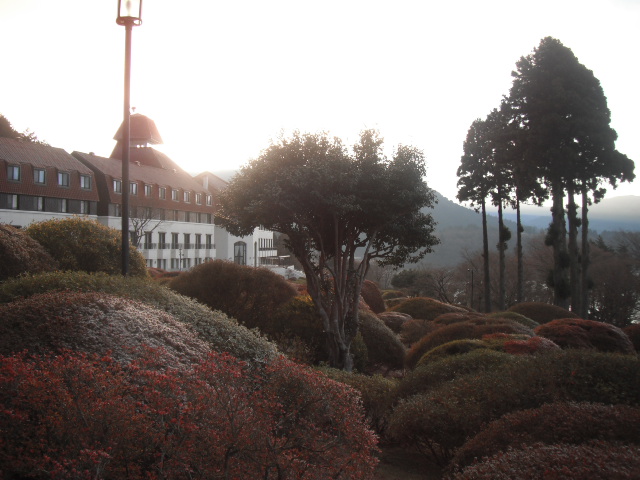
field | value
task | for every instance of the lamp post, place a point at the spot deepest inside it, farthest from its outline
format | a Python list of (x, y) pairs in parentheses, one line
[(129, 15)]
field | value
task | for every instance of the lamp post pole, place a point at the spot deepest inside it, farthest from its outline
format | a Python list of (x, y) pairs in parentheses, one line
[(129, 15)]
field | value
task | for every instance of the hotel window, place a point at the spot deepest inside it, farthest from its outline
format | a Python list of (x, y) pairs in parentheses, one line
[(162, 240), (133, 189), (117, 186), (199, 198), (187, 241), (148, 240), (84, 207), (162, 192), (209, 201), (208, 240), (40, 204), (174, 241), (63, 179), (62, 205), (240, 253), (85, 182), (13, 173), (187, 197), (174, 195), (12, 201), (198, 241), (39, 176), (147, 190), (117, 210)]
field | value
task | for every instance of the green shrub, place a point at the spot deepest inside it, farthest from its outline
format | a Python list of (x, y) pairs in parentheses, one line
[(79, 244), (456, 317), (517, 317), (475, 327), (596, 461), (95, 323), (372, 296), (222, 333), (541, 312), (248, 294), (579, 333), (19, 253), (633, 332), (455, 347), (553, 423), (440, 419), (377, 394), (383, 346), (424, 308)]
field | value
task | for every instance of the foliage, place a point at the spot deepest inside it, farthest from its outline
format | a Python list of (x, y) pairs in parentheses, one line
[(541, 312), (439, 421), (245, 293), (80, 244), (413, 330), (633, 332), (553, 423), (19, 253), (78, 416), (424, 308), (394, 320), (595, 461), (517, 317), (94, 323), (373, 297), (389, 294), (376, 391), (221, 333), (579, 333), (383, 345), (333, 205), (473, 328), (456, 317)]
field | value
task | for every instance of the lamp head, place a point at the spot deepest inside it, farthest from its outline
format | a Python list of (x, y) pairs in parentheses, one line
[(129, 12)]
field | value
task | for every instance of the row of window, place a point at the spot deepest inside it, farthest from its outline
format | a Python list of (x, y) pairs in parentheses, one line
[(33, 203), (175, 238), (161, 214), (14, 174), (162, 193)]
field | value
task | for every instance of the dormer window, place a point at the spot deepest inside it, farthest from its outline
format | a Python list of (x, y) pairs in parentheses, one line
[(148, 189), (199, 198), (63, 179), (13, 173), (174, 195), (162, 193), (85, 182), (187, 197), (134, 188), (209, 200), (117, 186), (39, 176)]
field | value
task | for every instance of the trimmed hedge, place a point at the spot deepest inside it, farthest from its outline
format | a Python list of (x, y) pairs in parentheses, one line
[(579, 333), (541, 312), (383, 346), (372, 296), (19, 253), (424, 308), (394, 320), (633, 332), (517, 317)]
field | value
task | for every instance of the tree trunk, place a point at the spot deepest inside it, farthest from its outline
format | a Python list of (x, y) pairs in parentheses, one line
[(520, 255), (485, 256), (574, 261), (558, 240), (502, 246), (584, 272)]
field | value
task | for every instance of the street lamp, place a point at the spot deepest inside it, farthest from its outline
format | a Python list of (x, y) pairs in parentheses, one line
[(129, 15)]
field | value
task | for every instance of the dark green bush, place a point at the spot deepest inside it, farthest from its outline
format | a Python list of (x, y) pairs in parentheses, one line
[(372, 296), (579, 333), (553, 423), (441, 419), (383, 346), (250, 295), (633, 332), (541, 312), (19, 253), (517, 317), (222, 333), (86, 245), (475, 327), (424, 308), (595, 461)]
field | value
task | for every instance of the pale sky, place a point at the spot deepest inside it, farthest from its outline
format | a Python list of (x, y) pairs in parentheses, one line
[(221, 79)]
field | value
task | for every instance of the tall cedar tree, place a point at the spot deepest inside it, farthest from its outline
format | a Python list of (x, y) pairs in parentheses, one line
[(563, 111), (475, 180), (339, 211)]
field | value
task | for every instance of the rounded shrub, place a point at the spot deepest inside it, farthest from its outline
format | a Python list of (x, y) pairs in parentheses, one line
[(372, 296), (517, 317), (394, 320), (414, 329), (553, 423), (633, 332), (19, 253), (579, 333), (95, 323), (80, 244), (383, 346), (424, 308), (595, 461), (250, 295), (390, 294), (456, 317), (222, 334), (541, 312), (475, 327)]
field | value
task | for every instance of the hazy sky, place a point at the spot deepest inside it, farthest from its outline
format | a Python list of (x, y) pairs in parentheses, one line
[(221, 79)]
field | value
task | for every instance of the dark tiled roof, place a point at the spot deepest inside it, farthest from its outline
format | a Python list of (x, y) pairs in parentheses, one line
[(142, 129), (40, 156)]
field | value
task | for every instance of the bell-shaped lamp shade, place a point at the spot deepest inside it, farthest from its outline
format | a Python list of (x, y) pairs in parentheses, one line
[(129, 11)]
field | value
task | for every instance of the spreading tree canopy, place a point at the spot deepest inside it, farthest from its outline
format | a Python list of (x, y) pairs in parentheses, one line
[(339, 209)]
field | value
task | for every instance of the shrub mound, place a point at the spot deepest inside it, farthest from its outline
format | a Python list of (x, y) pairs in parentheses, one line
[(517, 317), (383, 346), (541, 312), (372, 296), (595, 461), (579, 333), (79, 244), (633, 332), (552, 423), (390, 294), (414, 329), (474, 327), (79, 416), (19, 253), (248, 294), (95, 323), (221, 333), (394, 320), (456, 317), (424, 308)]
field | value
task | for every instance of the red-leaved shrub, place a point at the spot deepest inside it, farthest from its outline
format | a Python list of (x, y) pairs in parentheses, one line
[(633, 332), (579, 333), (89, 417)]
